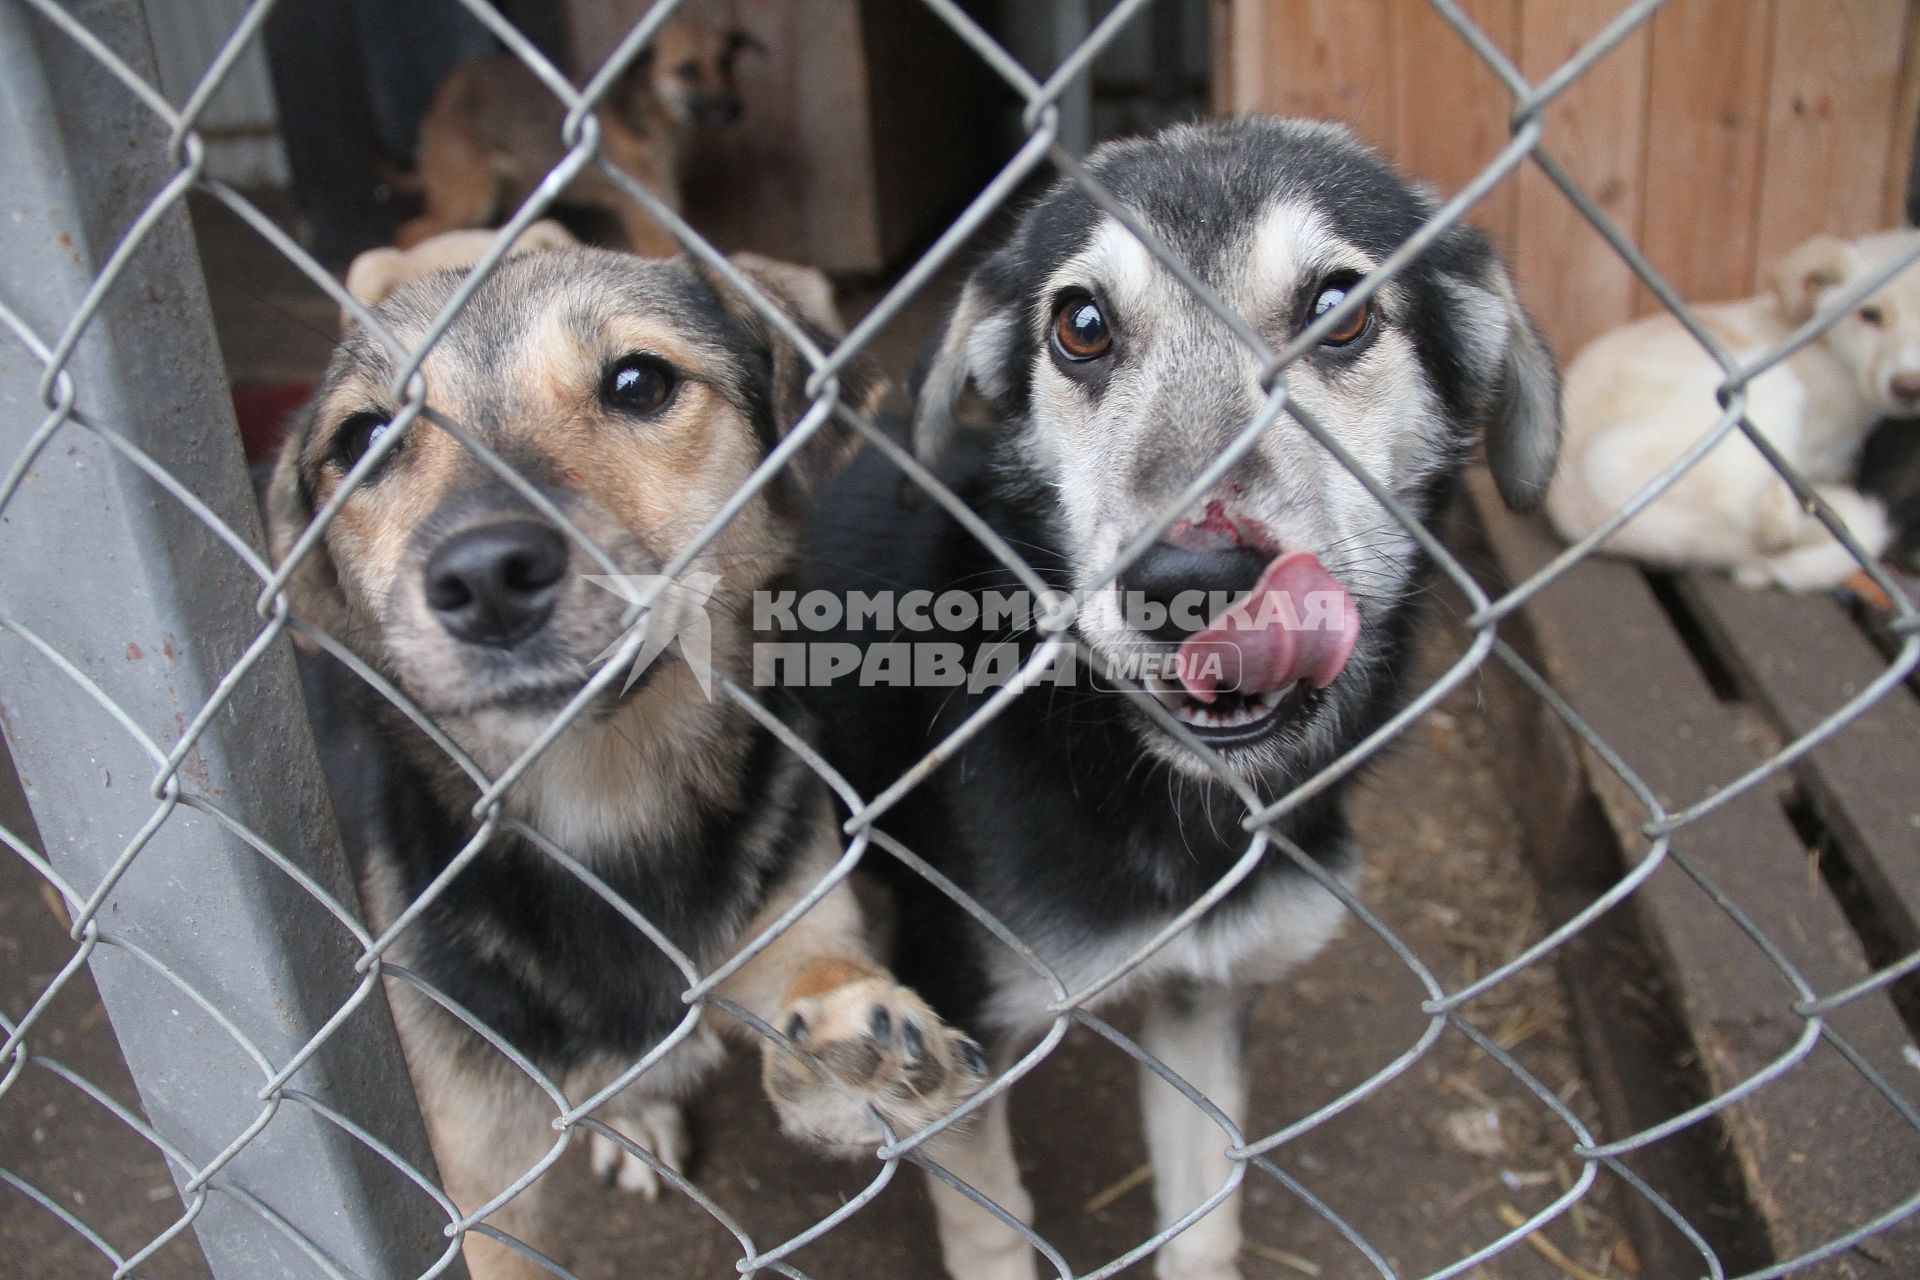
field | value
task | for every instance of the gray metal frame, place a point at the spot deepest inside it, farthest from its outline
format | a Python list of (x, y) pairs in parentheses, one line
[(205, 827), (190, 863)]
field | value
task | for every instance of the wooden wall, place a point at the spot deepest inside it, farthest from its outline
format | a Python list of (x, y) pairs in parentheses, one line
[(1717, 136)]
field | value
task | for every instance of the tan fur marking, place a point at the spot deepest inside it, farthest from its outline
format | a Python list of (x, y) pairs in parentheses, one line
[(819, 976)]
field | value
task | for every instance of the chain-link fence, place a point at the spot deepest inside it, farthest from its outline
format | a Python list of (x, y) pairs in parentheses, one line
[(154, 712)]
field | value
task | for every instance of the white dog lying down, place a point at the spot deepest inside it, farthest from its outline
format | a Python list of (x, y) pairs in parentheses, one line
[(1637, 397)]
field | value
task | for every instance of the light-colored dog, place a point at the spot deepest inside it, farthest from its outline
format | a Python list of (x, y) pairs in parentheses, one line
[(1636, 398)]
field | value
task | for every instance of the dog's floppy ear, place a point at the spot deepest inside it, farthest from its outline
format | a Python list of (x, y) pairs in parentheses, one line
[(313, 590), (376, 274), (806, 296), (1798, 278), (1523, 422), (964, 355)]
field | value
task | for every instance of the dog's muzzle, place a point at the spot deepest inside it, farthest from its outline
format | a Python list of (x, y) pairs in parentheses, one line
[(497, 584), (1285, 634)]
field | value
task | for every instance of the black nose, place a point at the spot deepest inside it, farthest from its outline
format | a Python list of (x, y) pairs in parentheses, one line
[(718, 111), (1185, 582), (496, 585)]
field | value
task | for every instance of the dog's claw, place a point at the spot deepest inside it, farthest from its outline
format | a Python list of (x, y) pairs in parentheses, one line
[(868, 1045)]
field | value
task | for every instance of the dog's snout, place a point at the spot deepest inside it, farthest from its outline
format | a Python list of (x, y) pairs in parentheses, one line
[(1182, 580), (1905, 388), (496, 584)]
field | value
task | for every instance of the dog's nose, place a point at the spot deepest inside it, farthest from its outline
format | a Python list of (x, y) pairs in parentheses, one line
[(1182, 581), (496, 584), (1905, 387)]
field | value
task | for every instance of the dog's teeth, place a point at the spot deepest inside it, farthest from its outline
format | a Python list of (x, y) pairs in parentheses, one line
[(1251, 710)]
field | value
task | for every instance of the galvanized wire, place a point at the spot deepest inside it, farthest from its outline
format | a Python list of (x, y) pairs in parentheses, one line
[(1441, 1009)]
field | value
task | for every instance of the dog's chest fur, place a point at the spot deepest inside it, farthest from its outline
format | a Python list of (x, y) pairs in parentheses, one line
[(1282, 924), (518, 940)]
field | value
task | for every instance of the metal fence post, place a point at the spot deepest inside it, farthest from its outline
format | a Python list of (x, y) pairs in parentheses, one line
[(139, 595), (154, 712)]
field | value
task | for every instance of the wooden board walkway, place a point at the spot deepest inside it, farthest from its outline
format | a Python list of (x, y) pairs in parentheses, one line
[(1692, 686)]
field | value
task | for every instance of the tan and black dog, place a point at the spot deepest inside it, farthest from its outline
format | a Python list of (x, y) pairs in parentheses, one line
[(635, 396), (493, 133)]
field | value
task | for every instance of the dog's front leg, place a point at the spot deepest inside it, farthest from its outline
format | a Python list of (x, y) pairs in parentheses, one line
[(487, 1129), (859, 1040), (974, 1243), (1196, 1031)]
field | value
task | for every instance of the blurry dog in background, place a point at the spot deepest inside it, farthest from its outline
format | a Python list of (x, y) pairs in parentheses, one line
[(1637, 397), (493, 133)]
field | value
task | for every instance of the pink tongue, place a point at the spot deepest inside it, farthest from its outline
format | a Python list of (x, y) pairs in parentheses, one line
[(1298, 623)]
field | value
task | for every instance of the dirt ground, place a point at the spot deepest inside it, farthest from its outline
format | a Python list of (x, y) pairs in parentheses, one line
[(1428, 1168)]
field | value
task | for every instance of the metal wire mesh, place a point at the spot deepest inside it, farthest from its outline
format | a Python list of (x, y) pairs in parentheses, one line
[(173, 749)]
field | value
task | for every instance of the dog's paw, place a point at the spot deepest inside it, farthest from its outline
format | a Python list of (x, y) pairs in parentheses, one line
[(866, 1042), (657, 1126)]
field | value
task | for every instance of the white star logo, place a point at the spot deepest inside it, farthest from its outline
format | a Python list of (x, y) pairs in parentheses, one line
[(676, 610)]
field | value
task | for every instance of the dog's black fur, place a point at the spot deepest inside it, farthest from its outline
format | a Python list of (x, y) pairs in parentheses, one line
[(1890, 471), (1053, 817), (518, 941)]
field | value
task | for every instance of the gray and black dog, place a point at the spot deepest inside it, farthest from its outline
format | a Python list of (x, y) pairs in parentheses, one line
[(1075, 817)]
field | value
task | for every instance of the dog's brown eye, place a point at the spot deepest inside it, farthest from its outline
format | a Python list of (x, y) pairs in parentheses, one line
[(637, 384), (1354, 327), (357, 435), (1080, 330), (1873, 316)]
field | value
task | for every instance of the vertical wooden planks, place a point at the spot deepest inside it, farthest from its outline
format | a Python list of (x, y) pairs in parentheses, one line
[(1451, 111), (1706, 120), (1225, 97), (1906, 111), (1835, 85), (1717, 137), (833, 124), (1597, 130), (1322, 58), (1242, 45)]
